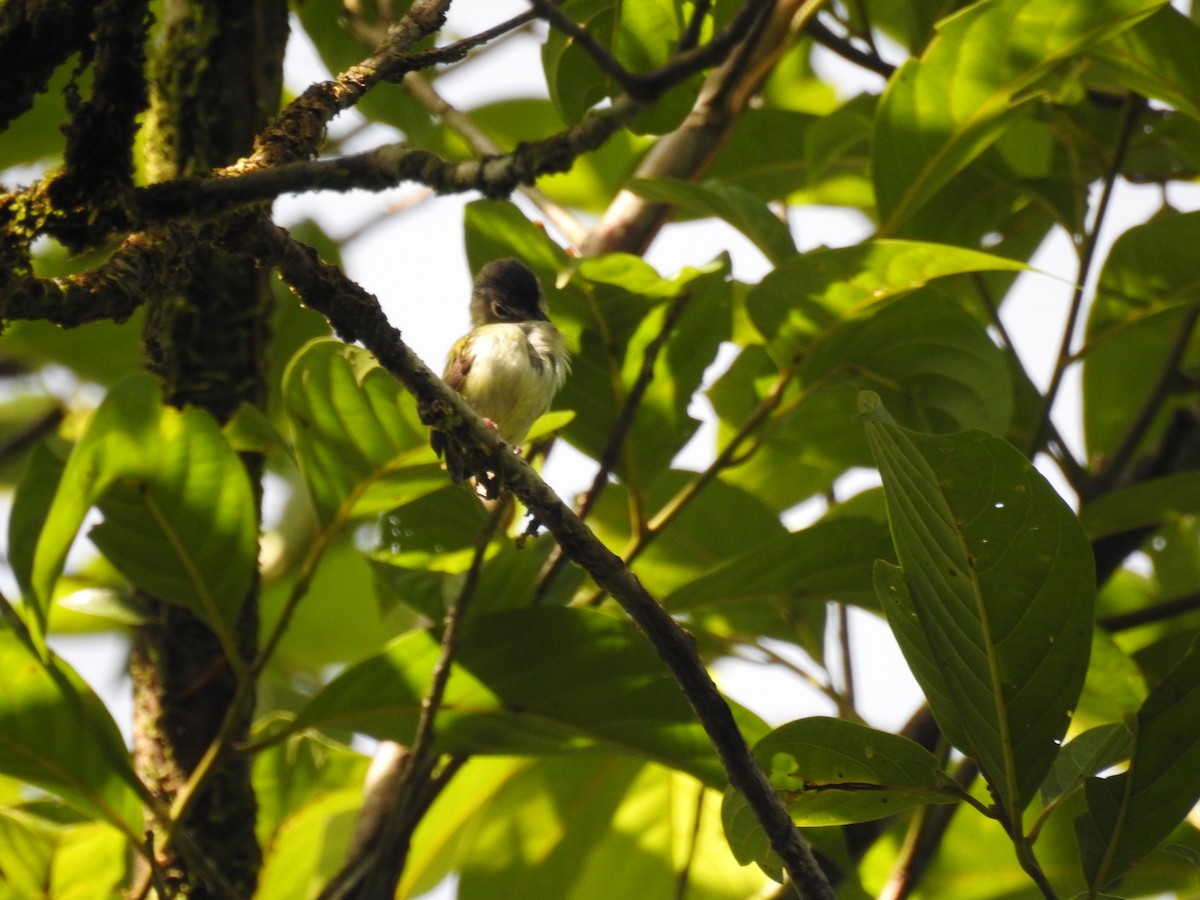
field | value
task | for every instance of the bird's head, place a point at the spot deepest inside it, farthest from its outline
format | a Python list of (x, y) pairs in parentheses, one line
[(506, 291)]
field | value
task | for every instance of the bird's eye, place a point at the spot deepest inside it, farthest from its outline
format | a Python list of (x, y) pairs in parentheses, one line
[(501, 311)]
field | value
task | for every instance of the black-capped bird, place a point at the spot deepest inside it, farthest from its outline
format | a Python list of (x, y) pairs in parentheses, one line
[(511, 363)]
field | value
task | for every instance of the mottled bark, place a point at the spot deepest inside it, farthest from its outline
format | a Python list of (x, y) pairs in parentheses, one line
[(215, 81)]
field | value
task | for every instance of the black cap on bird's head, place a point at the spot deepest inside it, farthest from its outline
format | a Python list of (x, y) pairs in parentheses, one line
[(506, 291)]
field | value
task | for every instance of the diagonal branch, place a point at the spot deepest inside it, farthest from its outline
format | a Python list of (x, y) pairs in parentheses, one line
[(355, 314)]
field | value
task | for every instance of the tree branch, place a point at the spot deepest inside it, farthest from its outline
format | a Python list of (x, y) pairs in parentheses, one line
[(356, 314), (385, 167)]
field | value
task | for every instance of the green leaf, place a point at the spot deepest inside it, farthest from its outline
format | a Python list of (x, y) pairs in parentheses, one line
[(1147, 287), (34, 496), (1148, 503), (615, 311), (1084, 756), (179, 513), (802, 299), (311, 848), (497, 228), (810, 444), (974, 79), (339, 619), (739, 208), (1159, 57), (690, 546), (993, 603), (563, 827), (760, 155), (779, 587), (609, 693), (361, 447), (933, 364), (641, 36), (28, 848), (1131, 813), (834, 772), (56, 734)]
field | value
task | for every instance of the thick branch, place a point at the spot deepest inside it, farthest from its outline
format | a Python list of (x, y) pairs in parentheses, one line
[(300, 128), (386, 167), (146, 265), (356, 314)]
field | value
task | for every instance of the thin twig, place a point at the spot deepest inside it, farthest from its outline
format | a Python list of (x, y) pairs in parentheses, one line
[(1125, 131)]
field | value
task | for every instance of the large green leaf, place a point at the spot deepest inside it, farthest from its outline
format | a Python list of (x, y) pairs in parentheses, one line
[(974, 79), (563, 827), (56, 734), (1159, 57), (992, 603), (1130, 813), (361, 447), (932, 363), (179, 514), (531, 681), (780, 586), (834, 772), (803, 298)]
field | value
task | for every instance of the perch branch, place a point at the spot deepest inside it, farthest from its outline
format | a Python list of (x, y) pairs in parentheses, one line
[(355, 314)]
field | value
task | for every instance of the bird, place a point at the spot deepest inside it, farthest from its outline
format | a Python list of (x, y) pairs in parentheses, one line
[(511, 363)]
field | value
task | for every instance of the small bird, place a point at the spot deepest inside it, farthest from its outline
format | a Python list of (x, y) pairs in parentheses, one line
[(512, 362)]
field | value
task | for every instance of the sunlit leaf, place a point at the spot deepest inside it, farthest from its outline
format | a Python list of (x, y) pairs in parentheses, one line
[(56, 734), (992, 603), (28, 848), (361, 447), (804, 297), (311, 846), (179, 513), (610, 692), (1159, 57), (973, 80), (648, 823)]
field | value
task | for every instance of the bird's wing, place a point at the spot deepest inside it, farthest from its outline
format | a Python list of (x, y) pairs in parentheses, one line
[(459, 364)]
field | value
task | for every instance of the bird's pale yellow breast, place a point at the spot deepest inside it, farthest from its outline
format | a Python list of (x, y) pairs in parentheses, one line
[(516, 369)]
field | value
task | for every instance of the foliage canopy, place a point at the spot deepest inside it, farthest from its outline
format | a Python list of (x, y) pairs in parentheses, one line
[(268, 527)]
